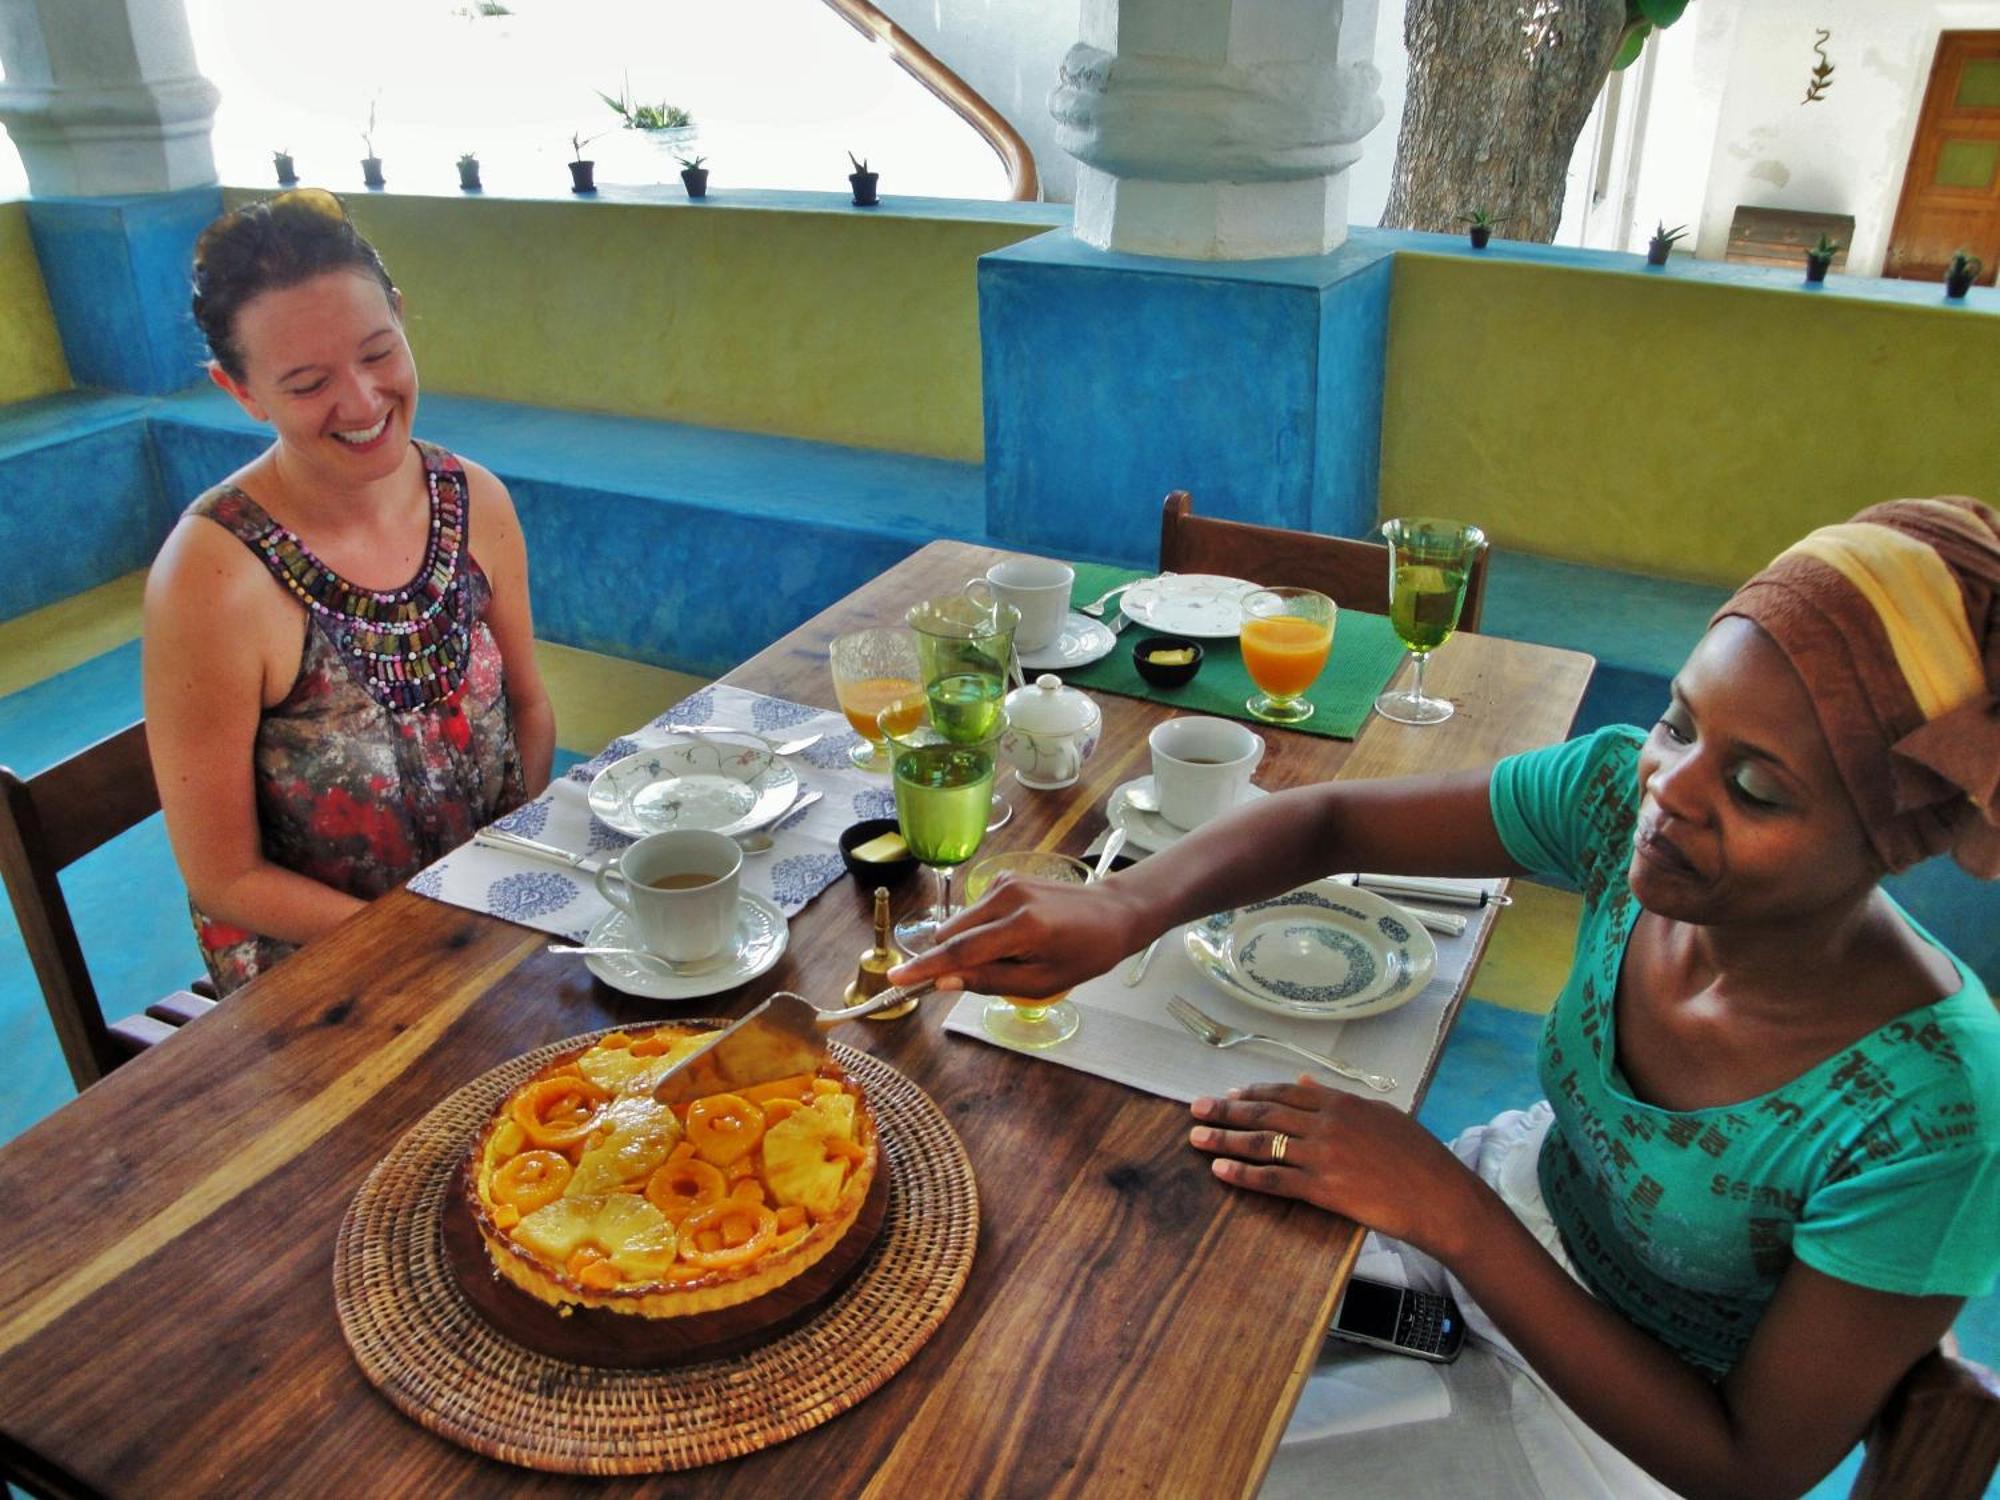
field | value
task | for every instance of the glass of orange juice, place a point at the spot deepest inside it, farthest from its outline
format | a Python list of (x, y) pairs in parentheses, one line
[(1023, 1022), (1287, 634), (873, 671)]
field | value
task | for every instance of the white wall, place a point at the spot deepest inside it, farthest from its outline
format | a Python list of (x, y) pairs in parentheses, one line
[(1845, 154)]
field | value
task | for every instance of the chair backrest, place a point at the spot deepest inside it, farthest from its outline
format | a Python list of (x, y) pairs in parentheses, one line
[(1939, 1435), (48, 822), (1352, 573)]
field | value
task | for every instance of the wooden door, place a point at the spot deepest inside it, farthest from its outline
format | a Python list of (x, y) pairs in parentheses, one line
[(1951, 190)]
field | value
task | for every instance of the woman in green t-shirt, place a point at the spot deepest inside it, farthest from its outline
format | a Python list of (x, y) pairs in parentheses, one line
[(1767, 1174)]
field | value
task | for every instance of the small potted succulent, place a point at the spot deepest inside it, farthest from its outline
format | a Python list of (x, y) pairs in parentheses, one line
[(582, 174), (288, 174), (468, 172), (863, 182), (1819, 259), (694, 176), (371, 164), (649, 117), (1661, 245), (1961, 273), (1479, 227)]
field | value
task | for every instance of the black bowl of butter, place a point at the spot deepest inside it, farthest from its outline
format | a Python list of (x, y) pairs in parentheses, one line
[(1167, 661)]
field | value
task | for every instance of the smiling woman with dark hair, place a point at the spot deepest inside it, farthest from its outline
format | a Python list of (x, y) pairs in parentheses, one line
[(339, 659), (1767, 1171)]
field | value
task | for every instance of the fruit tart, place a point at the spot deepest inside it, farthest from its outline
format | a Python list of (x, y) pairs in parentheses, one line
[(588, 1193)]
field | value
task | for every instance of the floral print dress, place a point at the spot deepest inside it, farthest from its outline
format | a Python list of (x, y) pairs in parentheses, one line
[(395, 742)]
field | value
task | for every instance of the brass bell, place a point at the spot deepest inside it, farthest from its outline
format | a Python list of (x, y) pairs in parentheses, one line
[(871, 974)]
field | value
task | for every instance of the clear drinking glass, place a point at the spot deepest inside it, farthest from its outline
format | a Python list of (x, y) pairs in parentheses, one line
[(966, 648), (876, 671), (1429, 561), (944, 789), (1028, 1023), (1287, 635)]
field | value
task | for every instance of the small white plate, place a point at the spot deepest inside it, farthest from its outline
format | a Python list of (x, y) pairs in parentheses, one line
[(1204, 605), (1083, 641), (761, 935), (1148, 830), (707, 783), (1327, 952)]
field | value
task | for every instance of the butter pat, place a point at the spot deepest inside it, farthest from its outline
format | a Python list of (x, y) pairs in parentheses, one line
[(881, 849), (1178, 657)]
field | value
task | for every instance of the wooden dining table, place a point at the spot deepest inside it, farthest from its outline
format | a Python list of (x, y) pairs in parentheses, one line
[(1130, 1325)]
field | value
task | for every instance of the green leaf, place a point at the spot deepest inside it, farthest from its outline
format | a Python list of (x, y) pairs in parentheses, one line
[(1661, 13), (1634, 44)]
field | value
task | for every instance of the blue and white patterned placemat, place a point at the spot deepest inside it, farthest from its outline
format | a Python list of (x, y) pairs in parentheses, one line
[(805, 861)]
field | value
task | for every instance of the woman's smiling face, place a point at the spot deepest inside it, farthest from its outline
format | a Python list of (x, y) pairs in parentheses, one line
[(1742, 813), (325, 363)]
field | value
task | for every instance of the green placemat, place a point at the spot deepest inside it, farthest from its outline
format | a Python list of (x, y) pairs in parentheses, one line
[(1365, 656)]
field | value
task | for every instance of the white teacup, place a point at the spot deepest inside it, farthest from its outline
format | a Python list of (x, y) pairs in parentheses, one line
[(680, 889), (1036, 586), (1201, 767)]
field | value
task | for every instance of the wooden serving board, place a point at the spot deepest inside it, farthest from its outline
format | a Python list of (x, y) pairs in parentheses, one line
[(620, 1341)]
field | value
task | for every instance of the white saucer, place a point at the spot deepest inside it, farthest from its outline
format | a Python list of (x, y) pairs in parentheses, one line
[(1083, 641), (1150, 831), (1205, 605), (761, 934)]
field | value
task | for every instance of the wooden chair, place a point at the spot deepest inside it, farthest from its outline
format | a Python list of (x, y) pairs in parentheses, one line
[(47, 823), (1354, 574), (1938, 1437)]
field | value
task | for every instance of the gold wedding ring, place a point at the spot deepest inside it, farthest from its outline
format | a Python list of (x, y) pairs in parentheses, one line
[(1280, 1143)]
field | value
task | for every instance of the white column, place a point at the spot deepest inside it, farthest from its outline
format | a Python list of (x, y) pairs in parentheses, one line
[(1216, 129), (103, 97)]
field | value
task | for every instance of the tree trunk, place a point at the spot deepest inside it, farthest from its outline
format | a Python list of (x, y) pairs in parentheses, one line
[(1498, 94)]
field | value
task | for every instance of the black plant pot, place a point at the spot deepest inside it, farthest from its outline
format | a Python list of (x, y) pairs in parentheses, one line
[(1816, 268), (583, 177), (695, 180), (1656, 255), (1958, 283), (864, 188), (287, 174), (371, 171), (1480, 233), (468, 176)]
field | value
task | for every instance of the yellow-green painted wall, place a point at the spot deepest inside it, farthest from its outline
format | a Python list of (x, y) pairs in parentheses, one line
[(842, 327), (1664, 425), (31, 356)]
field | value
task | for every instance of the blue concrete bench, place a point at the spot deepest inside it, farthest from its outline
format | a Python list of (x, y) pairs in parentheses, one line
[(688, 547), (78, 501)]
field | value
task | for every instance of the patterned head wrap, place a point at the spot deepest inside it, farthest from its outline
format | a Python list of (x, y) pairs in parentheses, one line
[(1893, 623)]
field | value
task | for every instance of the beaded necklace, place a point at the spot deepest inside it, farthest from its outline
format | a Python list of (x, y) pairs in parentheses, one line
[(408, 646)]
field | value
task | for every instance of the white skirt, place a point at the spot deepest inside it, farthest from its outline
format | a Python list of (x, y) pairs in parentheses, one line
[(1376, 1424)]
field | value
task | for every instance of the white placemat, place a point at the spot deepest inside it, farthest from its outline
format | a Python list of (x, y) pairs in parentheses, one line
[(1128, 1036), (804, 862)]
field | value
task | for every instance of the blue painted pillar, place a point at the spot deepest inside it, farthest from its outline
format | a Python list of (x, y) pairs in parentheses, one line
[(117, 271), (1111, 379)]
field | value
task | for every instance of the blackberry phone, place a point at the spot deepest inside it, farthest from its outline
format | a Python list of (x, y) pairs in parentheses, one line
[(1426, 1324)]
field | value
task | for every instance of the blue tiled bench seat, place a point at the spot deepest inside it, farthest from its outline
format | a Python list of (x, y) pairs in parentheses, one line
[(78, 501), (688, 547)]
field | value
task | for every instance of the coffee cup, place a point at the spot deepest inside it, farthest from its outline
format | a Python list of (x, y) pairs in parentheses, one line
[(1036, 586), (1201, 767), (680, 888)]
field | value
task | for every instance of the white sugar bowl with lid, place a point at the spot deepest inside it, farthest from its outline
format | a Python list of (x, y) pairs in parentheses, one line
[(1051, 730)]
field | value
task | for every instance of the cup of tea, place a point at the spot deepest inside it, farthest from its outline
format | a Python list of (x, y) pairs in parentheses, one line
[(1038, 587), (680, 889), (1201, 767)]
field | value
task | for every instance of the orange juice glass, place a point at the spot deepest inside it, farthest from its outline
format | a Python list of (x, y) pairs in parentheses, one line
[(1287, 635), (876, 671)]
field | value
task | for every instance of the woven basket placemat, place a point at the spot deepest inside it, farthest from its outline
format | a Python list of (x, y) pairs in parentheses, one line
[(419, 1341)]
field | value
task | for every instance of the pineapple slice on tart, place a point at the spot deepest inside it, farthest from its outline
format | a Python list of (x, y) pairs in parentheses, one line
[(589, 1192)]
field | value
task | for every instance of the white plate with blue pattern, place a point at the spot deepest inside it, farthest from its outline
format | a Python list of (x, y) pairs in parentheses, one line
[(723, 785), (1326, 952)]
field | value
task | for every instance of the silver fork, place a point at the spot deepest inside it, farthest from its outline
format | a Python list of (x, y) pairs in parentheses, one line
[(778, 747), (1216, 1034), (1095, 609)]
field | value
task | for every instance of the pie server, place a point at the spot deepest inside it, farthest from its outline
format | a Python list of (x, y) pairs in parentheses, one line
[(781, 1037)]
